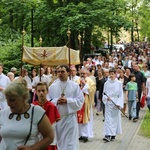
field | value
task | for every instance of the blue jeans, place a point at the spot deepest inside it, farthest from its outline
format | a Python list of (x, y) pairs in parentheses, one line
[(132, 108)]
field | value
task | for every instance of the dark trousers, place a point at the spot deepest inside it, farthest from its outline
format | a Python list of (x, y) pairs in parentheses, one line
[(95, 99), (103, 108)]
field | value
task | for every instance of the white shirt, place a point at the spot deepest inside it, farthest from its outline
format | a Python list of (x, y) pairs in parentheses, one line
[(148, 86), (4, 81), (75, 78), (14, 132), (28, 80), (44, 78), (129, 63)]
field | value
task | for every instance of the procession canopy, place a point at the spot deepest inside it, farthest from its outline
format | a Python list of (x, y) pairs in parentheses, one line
[(50, 56)]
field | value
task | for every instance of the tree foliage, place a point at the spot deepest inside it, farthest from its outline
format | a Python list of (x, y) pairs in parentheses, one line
[(51, 19), (144, 20)]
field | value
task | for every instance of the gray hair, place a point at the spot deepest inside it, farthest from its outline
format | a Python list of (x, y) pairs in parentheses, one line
[(13, 69), (17, 87), (107, 70), (84, 69), (10, 73)]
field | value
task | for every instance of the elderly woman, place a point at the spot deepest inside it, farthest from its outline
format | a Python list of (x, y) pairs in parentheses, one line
[(11, 76), (21, 123)]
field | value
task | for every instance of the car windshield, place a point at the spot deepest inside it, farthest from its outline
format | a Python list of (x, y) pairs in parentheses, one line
[(118, 46)]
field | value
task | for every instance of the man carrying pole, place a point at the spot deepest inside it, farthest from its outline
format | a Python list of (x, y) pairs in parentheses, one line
[(113, 92)]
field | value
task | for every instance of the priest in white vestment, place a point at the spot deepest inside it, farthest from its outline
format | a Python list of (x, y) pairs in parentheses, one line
[(85, 115), (114, 92), (68, 98)]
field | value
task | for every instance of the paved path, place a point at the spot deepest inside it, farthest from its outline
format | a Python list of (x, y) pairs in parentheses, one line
[(129, 140)]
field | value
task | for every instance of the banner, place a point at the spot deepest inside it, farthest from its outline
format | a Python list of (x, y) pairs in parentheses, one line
[(52, 56)]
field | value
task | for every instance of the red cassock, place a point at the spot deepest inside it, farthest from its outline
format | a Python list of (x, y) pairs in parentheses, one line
[(53, 115), (80, 114)]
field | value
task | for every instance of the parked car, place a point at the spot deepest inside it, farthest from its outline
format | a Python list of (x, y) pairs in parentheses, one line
[(98, 52), (89, 56), (118, 46)]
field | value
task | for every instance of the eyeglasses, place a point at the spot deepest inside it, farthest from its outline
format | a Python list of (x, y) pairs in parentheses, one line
[(62, 71)]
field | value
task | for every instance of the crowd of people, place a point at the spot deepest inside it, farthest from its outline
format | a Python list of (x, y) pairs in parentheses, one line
[(54, 105)]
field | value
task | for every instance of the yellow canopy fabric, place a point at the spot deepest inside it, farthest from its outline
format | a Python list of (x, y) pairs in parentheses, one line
[(50, 56)]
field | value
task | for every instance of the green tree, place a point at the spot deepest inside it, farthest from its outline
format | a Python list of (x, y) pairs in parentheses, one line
[(51, 19), (144, 12)]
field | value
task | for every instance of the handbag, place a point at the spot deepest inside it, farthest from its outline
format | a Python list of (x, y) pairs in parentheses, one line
[(142, 102), (28, 136)]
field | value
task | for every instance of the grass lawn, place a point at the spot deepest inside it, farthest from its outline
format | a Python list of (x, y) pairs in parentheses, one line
[(145, 127)]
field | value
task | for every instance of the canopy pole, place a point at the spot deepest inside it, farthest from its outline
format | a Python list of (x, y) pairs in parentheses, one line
[(40, 41), (23, 34), (79, 38), (68, 34), (40, 72)]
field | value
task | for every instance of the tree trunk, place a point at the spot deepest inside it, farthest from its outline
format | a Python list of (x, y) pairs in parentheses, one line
[(87, 40), (11, 19)]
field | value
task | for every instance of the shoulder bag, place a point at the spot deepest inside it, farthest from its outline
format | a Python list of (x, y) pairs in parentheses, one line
[(28, 136)]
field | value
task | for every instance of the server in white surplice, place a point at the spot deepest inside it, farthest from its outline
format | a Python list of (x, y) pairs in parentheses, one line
[(114, 92)]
